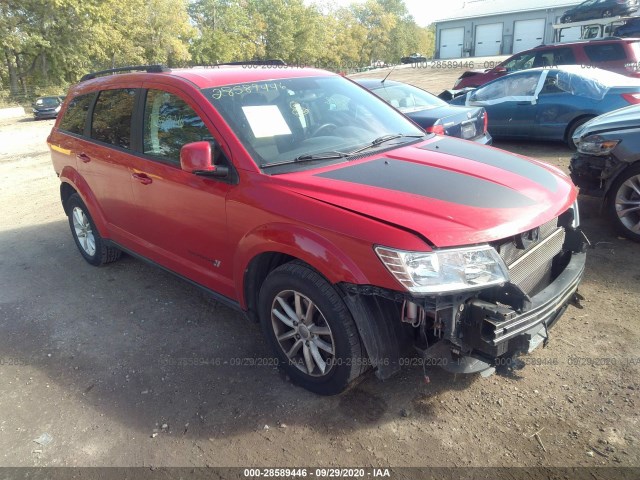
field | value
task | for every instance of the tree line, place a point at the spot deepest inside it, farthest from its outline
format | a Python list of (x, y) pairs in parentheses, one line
[(49, 44)]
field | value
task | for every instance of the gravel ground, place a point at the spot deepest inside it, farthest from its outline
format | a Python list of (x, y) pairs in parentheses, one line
[(127, 365)]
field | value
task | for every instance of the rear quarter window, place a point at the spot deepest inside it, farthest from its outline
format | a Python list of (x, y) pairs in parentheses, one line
[(75, 117), (605, 53)]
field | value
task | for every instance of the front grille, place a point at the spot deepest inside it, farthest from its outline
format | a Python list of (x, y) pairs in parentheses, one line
[(530, 269)]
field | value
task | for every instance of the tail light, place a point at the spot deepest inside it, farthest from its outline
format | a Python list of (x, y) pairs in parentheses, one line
[(486, 122), (439, 129), (632, 98)]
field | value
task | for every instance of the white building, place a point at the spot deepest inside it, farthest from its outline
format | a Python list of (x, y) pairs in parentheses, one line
[(500, 27)]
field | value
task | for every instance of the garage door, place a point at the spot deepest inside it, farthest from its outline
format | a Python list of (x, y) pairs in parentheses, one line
[(528, 34), (451, 40), (488, 40)]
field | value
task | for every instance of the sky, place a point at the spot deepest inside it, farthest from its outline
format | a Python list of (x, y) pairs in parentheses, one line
[(424, 11)]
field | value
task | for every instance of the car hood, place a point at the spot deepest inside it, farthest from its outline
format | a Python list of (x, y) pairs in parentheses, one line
[(627, 117), (449, 192)]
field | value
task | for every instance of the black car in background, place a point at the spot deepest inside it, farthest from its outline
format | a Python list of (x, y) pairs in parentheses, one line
[(629, 29), (607, 165), (592, 9), (431, 113), (46, 107), (414, 58)]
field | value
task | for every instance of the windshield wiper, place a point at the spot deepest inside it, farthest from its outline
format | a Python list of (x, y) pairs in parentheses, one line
[(381, 140), (320, 156), (309, 157)]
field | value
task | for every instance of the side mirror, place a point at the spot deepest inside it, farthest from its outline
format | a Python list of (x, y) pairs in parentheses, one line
[(196, 158), (500, 69)]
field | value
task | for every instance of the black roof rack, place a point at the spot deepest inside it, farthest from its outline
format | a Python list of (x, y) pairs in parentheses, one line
[(134, 68), (272, 61)]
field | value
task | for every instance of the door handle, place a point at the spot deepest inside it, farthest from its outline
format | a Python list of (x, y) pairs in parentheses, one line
[(84, 157), (143, 178)]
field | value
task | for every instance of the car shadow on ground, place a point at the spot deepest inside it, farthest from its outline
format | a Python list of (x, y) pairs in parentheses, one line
[(145, 348)]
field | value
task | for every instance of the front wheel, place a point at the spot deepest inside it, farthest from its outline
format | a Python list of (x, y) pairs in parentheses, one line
[(624, 203), (86, 236), (310, 329), (607, 14)]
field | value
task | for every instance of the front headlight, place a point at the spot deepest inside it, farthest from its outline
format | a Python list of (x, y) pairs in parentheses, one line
[(596, 145), (57, 110), (34, 110), (445, 271)]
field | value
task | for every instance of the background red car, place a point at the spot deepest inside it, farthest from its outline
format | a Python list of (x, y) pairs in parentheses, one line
[(618, 55)]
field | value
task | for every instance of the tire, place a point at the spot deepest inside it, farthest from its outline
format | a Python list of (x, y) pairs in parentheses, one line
[(567, 19), (625, 191), (86, 236), (325, 353), (572, 128), (607, 14)]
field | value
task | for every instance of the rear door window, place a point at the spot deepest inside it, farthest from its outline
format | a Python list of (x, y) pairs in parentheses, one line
[(75, 117), (111, 122), (563, 56)]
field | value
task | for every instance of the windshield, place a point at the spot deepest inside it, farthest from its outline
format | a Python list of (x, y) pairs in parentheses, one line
[(282, 120), (47, 102), (408, 98), (518, 86)]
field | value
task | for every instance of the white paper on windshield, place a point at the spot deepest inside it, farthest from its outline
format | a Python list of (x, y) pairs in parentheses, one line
[(266, 121)]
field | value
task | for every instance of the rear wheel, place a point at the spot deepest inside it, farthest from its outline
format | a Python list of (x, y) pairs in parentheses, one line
[(310, 329), (623, 204), (86, 236), (607, 14), (567, 19)]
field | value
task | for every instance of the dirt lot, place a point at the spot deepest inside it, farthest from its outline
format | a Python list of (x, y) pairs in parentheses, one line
[(118, 364)]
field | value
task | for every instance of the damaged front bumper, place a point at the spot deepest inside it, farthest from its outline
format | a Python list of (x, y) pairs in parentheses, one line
[(469, 332), (493, 331), (593, 174)]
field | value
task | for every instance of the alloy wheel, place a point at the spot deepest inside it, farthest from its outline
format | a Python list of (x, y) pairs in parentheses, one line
[(84, 232), (303, 333), (627, 203)]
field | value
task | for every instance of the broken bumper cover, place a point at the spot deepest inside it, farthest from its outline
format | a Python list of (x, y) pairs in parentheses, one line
[(495, 331)]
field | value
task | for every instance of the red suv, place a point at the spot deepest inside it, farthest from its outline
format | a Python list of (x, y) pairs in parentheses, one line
[(618, 55), (309, 204)]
